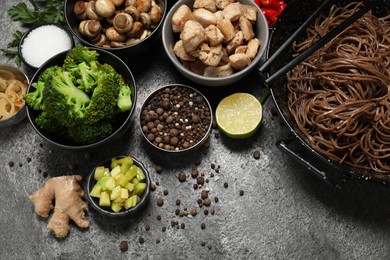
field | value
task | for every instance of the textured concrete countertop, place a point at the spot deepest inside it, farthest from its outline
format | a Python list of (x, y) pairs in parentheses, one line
[(285, 213)]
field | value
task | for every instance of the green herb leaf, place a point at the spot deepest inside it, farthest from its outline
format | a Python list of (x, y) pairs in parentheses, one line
[(17, 36), (22, 13)]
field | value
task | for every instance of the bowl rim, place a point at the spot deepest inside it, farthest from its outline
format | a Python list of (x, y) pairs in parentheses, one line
[(102, 141), (33, 28), (85, 42), (213, 80), (134, 210), (200, 142), (21, 114)]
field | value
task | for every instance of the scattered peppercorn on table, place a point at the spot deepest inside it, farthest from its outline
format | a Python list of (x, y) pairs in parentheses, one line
[(230, 199)]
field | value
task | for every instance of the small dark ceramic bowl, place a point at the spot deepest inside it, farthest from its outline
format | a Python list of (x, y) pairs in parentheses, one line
[(196, 121), (94, 202), (123, 52), (123, 120), (48, 49), (169, 38), (21, 114)]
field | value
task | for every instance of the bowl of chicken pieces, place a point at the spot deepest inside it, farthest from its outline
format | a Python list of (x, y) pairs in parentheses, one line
[(215, 42)]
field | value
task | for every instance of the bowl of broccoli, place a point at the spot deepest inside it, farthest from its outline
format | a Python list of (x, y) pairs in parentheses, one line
[(81, 98)]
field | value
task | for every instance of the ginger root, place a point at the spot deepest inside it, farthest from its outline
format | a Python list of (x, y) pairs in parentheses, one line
[(69, 204)]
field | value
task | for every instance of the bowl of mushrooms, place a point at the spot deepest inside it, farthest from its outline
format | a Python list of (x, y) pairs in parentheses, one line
[(215, 43), (122, 27)]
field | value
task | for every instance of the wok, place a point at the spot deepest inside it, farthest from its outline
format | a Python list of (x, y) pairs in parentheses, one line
[(292, 17)]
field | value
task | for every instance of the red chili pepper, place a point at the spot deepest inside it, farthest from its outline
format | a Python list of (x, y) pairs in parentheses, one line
[(271, 15), (272, 4), (257, 2), (281, 7)]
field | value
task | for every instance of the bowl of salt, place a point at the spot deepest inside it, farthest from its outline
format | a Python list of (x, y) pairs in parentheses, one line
[(42, 42)]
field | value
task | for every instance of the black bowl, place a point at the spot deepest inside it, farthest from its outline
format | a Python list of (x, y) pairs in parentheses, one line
[(157, 105), (53, 45), (94, 202), (123, 52), (123, 120)]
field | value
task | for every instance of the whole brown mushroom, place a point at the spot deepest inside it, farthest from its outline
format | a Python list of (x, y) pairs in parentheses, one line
[(105, 8), (114, 35), (91, 11), (123, 22), (80, 10)]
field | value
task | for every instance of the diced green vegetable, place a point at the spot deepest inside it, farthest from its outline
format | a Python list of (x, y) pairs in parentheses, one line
[(129, 175), (96, 190), (120, 161), (99, 172), (116, 193), (125, 167), (140, 174), (131, 202), (130, 186), (104, 200), (120, 186), (116, 206), (107, 183), (115, 171), (139, 188), (124, 193)]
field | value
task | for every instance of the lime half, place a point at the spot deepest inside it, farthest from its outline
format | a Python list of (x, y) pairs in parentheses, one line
[(239, 115)]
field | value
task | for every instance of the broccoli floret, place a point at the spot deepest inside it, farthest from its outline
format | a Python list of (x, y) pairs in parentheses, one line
[(35, 98), (124, 98), (50, 124), (90, 133), (103, 103), (78, 55), (89, 75), (63, 83)]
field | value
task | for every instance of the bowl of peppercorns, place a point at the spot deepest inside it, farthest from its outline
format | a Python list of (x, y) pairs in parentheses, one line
[(176, 118)]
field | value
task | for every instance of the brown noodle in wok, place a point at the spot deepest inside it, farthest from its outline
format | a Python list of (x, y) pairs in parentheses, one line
[(340, 96)]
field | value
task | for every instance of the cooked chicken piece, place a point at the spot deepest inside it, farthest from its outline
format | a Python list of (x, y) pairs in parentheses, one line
[(246, 28), (210, 55), (178, 49), (227, 29), (235, 42), (180, 17), (220, 71), (206, 4), (204, 17), (213, 35), (219, 15), (249, 12), (253, 47), (192, 35), (241, 49), (239, 61), (225, 57), (195, 66), (221, 4), (232, 11)]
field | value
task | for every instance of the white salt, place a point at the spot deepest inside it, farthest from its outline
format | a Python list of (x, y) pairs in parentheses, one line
[(44, 42)]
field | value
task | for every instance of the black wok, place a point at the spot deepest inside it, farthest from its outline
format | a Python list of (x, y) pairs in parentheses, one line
[(292, 17)]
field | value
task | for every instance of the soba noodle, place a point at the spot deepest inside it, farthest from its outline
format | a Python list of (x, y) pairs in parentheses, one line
[(340, 96)]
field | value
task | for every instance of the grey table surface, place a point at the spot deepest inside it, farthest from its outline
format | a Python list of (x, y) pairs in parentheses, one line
[(285, 213)]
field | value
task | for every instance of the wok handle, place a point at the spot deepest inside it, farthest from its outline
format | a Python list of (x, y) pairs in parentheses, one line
[(283, 145)]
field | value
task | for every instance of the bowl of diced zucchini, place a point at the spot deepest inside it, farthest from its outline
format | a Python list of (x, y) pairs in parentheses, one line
[(119, 186)]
